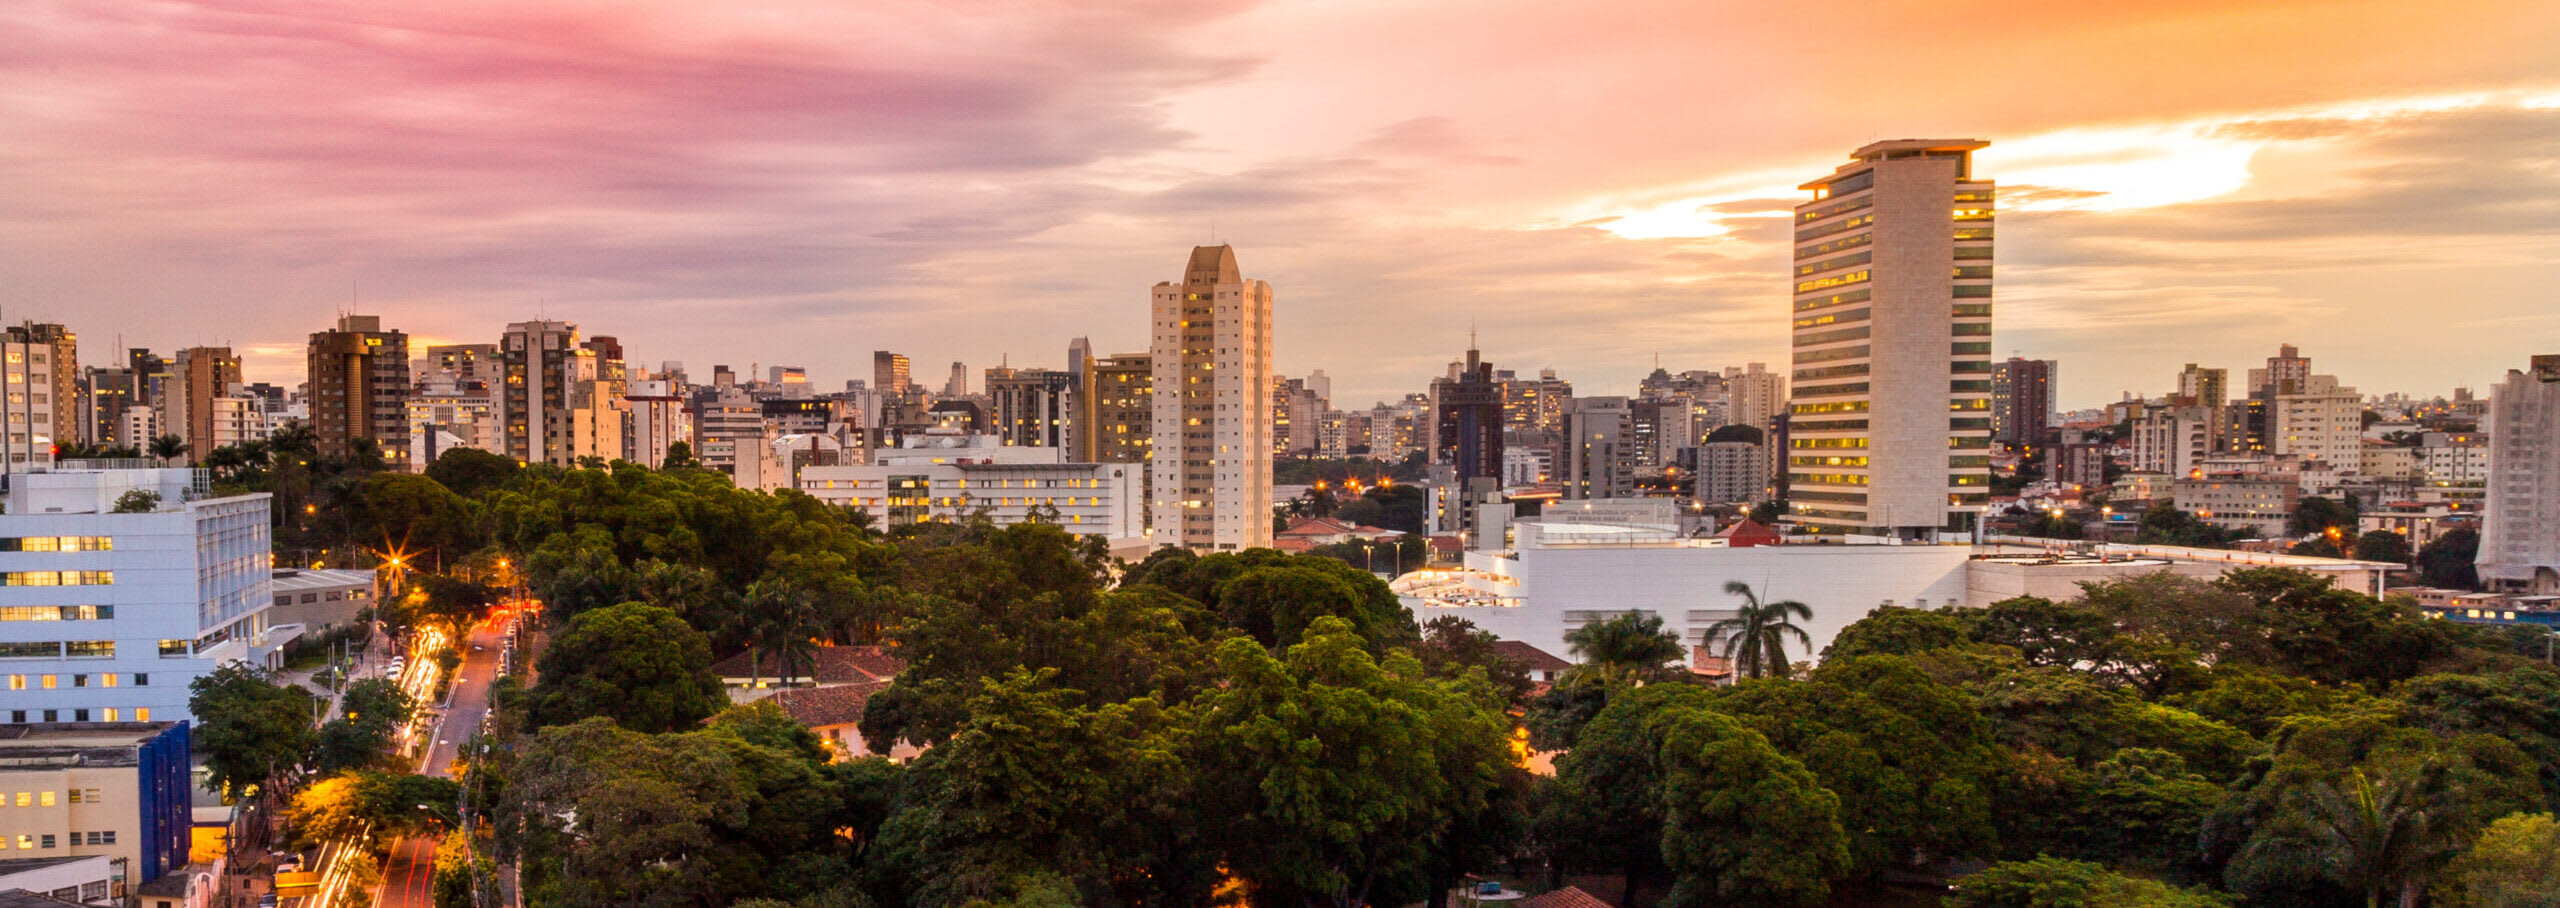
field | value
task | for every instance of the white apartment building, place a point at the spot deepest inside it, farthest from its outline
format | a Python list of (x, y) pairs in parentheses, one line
[(458, 407), (28, 392), (2455, 458), (2173, 441), (1211, 352), (2520, 525), (658, 420), (2324, 422), (1732, 471), (1890, 430), (951, 479), (1753, 395), (106, 617)]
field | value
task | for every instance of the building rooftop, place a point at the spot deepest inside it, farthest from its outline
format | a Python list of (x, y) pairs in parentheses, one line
[(818, 707), (290, 579), (829, 665), (20, 898)]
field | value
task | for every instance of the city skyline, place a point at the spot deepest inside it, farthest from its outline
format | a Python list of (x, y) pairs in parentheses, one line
[(805, 187)]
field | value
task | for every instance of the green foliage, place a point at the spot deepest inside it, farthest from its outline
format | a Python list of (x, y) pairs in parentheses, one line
[(466, 874), (471, 472), (1452, 646), (1328, 777), (137, 501), (2164, 524), (251, 730), (1401, 508), (1627, 647), (2315, 515), (370, 712), (2449, 559), (414, 514), (2515, 863), (1767, 513), (1893, 630), (388, 805), (1742, 823), (2049, 882), (2381, 545), (636, 664)]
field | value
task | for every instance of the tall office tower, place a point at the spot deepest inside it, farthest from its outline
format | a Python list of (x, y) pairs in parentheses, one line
[(53, 407), (958, 386), (1115, 414), (1467, 437), (1212, 359), (1322, 385), (600, 405), (105, 393), (1079, 353), (1599, 448), (2520, 529), (889, 372), (2021, 400), (201, 379), (38, 402), (1660, 428), (2285, 372), (1892, 401), (1753, 395), (360, 389), (2207, 387), (542, 365), (1034, 408)]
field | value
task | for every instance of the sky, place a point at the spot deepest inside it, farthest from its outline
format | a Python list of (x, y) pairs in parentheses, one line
[(1587, 186)]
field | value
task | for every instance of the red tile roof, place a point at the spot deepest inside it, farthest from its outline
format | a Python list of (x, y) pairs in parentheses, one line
[(819, 707), (1529, 658), (1567, 897), (829, 665)]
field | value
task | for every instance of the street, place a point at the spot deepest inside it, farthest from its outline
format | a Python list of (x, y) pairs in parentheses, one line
[(408, 875)]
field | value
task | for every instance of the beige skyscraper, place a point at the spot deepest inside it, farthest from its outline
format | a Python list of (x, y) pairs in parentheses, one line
[(1212, 361), (201, 380), (359, 388), (538, 396), (1891, 426)]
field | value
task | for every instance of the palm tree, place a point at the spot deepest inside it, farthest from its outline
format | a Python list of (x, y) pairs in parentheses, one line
[(2373, 838), (167, 448), (783, 621), (1755, 638), (1632, 644)]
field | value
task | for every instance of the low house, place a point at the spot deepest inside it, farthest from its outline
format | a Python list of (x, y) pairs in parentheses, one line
[(1307, 533), (1542, 667), (1567, 897), (1747, 532), (835, 714), (751, 675)]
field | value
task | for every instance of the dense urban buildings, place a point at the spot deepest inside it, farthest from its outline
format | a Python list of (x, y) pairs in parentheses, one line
[(359, 388), (1115, 420), (1892, 384), (1212, 360), (2520, 533), (118, 790)]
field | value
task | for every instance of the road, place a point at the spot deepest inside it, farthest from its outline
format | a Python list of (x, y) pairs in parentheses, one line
[(408, 876)]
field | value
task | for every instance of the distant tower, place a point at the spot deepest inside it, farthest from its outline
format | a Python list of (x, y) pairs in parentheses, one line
[(958, 386), (359, 388), (1212, 361), (1891, 421)]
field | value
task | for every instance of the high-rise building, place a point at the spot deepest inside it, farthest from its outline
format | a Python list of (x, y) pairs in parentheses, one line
[(2286, 372), (889, 373), (1734, 471), (1212, 359), (105, 394), (1599, 448), (1892, 318), (200, 380), (467, 362), (958, 386), (1754, 395), (1467, 423), (2317, 420), (1296, 428), (2520, 525), (2207, 387), (1115, 416), (2172, 440), (359, 388), (538, 395), (2021, 400), (658, 420), (1033, 407), (39, 394)]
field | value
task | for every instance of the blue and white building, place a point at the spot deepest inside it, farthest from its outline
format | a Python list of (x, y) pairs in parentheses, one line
[(106, 617)]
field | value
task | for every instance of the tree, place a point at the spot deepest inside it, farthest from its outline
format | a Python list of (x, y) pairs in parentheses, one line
[(1329, 777), (2050, 882), (471, 472), (1767, 513), (389, 805), (2448, 560), (137, 501), (453, 603), (2371, 837), (252, 731), (1452, 646), (414, 514), (637, 664), (1742, 823), (2383, 545), (680, 457), (1629, 646), (2316, 515), (2515, 863), (1755, 638), (371, 711), (1895, 630), (167, 448), (782, 621), (466, 873)]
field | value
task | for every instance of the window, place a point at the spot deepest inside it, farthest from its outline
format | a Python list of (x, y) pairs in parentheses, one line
[(92, 649), (45, 650), (173, 648), (142, 714), (44, 799), (110, 714), (142, 679), (48, 840)]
